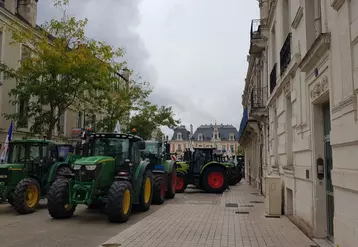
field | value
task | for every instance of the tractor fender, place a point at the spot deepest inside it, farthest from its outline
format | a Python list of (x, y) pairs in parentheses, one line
[(169, 166), (138, 177), (212, 163), (53, 171), (182, 167)]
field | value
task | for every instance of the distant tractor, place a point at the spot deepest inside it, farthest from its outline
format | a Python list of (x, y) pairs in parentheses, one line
[(164, 173), (200, 169), (110, 176), (31, 167)]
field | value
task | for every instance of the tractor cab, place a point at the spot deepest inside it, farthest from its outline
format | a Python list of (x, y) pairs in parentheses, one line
[(29, 169)]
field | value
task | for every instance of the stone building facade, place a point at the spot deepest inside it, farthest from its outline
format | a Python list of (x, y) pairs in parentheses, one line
[(222, 137), (308, 52)]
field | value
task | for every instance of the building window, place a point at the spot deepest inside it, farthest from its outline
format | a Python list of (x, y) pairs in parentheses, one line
[(25, 52), (79, 120), (232, 148), (61, 122), (232, 137), (216, 136), (179, 147), (23, 113), (2, 3), (200, 137), (223, 147), (179, 136)]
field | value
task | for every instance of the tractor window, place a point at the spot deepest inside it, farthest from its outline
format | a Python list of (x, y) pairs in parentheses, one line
[(19, 152), (110, 147), (135, 154), (152, 148)]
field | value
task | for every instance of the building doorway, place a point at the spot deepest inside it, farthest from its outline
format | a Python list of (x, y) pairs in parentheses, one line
[(328, 168)]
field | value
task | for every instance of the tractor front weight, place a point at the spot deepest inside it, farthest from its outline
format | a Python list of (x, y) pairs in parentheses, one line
[(80, 192)]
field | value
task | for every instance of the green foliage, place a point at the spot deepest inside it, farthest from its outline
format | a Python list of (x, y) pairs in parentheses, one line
[(60, 68), (240, 150), (151, 117)]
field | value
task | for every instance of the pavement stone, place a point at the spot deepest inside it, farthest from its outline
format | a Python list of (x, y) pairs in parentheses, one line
[(205, 221)]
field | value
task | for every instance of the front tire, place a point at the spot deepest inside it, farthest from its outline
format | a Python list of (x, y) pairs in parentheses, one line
[(214, 179), (159, 189), (146, 192), (181, 183), (172, 183), (58, 200), (119, 202), (26, 196)]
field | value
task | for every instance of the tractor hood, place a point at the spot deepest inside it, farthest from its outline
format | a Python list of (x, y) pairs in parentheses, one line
[(12, 166), (92, 160)]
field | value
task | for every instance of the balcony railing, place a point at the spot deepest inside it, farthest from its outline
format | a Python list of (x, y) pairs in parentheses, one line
[(258, 97), (285, 54), (273, 78), (255, 29), (2, 3)]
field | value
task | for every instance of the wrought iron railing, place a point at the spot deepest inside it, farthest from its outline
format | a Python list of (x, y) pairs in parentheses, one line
[(255, 29), (2, 3), (273, 78), (258, 97), (285, 54)]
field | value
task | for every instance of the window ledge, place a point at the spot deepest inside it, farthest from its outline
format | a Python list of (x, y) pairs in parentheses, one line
[(337, 4)]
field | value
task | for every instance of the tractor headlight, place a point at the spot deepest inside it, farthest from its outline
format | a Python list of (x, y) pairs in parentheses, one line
[(76, 167), (91, 168), (3, 176)]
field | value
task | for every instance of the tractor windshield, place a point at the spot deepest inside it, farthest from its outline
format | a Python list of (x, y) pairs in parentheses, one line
[(19, 152), (110, 147), (152, 148)]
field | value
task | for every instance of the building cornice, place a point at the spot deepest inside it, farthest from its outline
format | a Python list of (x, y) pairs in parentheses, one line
[(272, 9), (318, 48), (337, 4), (298, 18)]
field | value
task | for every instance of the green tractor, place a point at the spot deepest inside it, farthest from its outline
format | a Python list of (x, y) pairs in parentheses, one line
[(31, 167), (164, 173), (111, 175), (200, 169), (233, 168)]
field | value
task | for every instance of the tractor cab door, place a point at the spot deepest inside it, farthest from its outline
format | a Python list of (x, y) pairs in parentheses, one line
[(199, 160), (49, 156)]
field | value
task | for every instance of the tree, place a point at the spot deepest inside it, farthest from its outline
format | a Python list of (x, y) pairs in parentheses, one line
[(151, 117), (63, 68), (240, 150), (122, 98)]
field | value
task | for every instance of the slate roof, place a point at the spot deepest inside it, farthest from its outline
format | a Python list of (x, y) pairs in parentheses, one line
[(184, 132), (224, 131)]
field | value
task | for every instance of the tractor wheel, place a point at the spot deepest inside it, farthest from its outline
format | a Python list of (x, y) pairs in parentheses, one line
[(119, 202), (146, 192), (181, 183), (58, 198), (62, 170), (172, 183), (159, 189), (239, 177), (26, 196), (214, 180), (233, 181)]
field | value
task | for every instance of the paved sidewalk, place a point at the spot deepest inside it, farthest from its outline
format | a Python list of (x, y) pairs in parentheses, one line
[(206, 221)]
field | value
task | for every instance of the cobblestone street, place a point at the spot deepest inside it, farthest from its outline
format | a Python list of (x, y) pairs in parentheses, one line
[(236, 218)]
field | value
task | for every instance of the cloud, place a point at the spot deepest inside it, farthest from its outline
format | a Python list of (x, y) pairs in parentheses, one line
[(192, 52)]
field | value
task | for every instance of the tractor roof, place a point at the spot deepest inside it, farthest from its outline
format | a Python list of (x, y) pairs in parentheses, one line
[(204, 148), (150, 141), (117, 135), (32, 141)]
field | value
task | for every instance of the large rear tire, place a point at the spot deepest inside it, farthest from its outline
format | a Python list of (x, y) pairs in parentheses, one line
[(146, 192), (119, 202), (26, 196), (181, 183), (159, 189), (172, 182), (214, 179), (58, 200)]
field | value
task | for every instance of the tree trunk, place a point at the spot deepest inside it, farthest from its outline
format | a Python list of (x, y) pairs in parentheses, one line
[(49, 132)]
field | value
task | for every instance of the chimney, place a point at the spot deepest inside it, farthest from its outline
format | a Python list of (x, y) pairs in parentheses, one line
[(191, 129), (28, 10)]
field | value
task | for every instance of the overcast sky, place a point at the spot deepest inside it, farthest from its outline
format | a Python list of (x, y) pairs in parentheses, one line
[(192, 51)]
